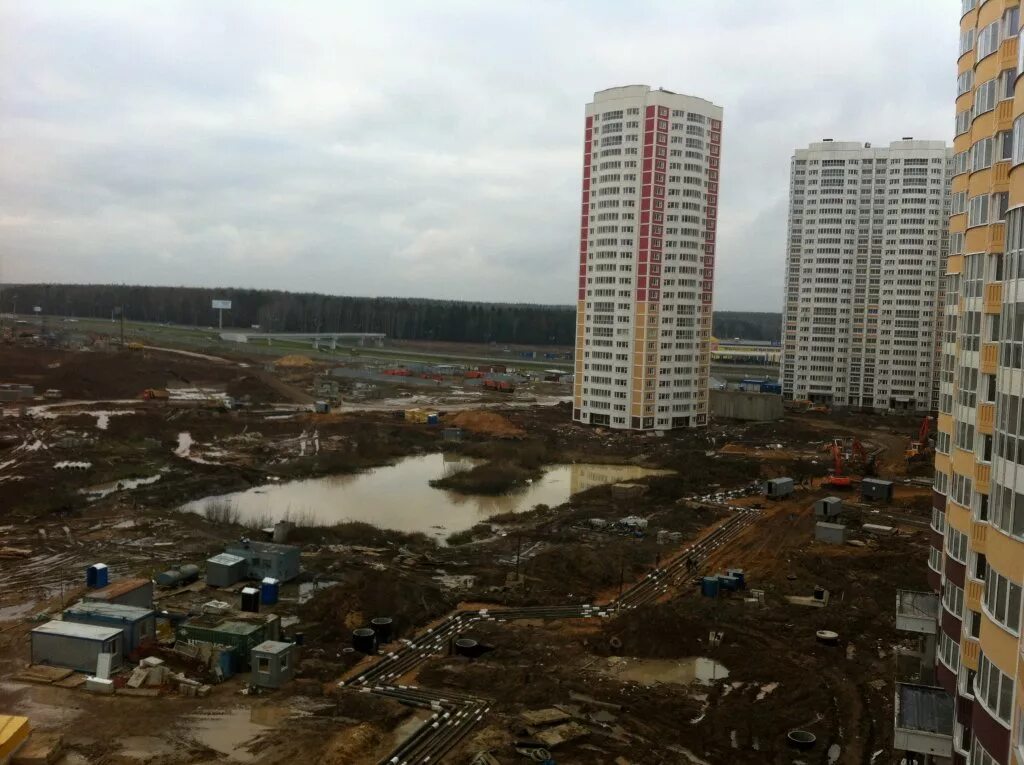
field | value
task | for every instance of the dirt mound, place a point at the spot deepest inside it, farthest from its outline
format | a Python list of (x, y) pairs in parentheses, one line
[(294, 360), (486, 423)]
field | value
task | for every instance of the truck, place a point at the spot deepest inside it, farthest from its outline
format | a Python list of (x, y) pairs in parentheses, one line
[(155, 394), (504, 386)]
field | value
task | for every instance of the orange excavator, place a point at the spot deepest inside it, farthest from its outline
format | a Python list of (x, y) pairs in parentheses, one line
[(835, 478), (921, 449)]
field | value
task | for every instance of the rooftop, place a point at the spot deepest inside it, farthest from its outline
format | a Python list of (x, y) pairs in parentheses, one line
[(120, 587), (71, 629), (272, 646), (252, 544), (924, 708), (226, 559), (238, 628), (109, 610)]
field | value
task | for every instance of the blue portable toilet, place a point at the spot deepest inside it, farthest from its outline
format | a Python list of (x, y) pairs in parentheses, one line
[(96, 576), (432, 418), (269, 590), (709, 586)]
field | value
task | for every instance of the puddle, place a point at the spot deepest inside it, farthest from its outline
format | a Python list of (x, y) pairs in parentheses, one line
[(8, 613), (400, 497), (101, 490), (144, 747), (227, 732), (696, 669)]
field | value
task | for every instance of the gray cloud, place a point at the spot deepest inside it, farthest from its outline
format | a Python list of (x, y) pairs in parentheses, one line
[(429, 149)]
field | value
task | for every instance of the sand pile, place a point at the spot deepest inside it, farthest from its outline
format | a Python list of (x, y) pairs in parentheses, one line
[(294, 360), (485, 423)]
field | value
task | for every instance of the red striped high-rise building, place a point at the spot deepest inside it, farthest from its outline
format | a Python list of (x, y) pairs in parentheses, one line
[(648, 218)]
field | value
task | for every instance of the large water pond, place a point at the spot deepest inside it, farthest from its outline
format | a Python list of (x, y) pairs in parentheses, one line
[(400, 496)]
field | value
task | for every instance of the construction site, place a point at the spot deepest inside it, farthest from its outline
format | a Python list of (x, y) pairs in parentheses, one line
[(219, 555)]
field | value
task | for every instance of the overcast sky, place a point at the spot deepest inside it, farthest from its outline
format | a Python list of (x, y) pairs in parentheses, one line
[(422, 149)]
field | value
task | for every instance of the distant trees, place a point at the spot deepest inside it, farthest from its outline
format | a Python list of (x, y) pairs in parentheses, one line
[(399, 318)]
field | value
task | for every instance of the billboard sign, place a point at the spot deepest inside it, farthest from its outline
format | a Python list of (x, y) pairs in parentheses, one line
[(223, 305), (37, 309)]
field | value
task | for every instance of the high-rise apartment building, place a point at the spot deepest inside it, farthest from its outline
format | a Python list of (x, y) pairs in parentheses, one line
[(865, 254), (977, 558), (651, 163)]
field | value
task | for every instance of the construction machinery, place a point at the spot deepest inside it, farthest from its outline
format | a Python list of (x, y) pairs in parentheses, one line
[(922, 448), (835, 478), (155, 394)]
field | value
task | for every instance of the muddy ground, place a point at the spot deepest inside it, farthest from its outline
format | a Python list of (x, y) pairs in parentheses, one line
[(140, 470)]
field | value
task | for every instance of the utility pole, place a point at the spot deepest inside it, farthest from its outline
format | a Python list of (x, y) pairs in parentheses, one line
[(122, 326), (519, 550), (622, 575)]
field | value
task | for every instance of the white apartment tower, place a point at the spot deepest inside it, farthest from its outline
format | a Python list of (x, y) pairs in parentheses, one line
[(865, 258), (651, 163)]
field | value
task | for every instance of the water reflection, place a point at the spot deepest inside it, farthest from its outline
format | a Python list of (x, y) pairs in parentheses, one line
[(400, 496)]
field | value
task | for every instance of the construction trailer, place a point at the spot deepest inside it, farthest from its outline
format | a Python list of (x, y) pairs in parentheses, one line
[(273, 663), (137, 625), (777, 488), (238, 633), (828, 507), (876, 489), (76, 646), (225, 570), (830, 533), (126, 592), (265, 559)]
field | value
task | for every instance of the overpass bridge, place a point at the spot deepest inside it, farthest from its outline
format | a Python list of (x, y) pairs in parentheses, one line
[(316, 339)]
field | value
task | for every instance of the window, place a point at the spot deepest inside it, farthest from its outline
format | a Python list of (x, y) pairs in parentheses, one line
[(1004, 145), (949, 652), (961, 161), (960, 201), (981, 154), (1006, 79), (963, 122), (988, 39), (953, 599), (993, 689), (965, 82), (985, 97), (1002, 600), (956, 545), (1000, 202), (263, 665), (1018, 140), (1011, 22), (966, 41), (977, 210), (979, 756)]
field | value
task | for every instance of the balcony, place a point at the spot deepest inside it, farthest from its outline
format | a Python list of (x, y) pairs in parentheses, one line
[(917, 611), (973, 593), (924, 720), (993, 297), (986, 418), (982, 477), (997, 232), (979, 534), (989, 358), (1004, 110)]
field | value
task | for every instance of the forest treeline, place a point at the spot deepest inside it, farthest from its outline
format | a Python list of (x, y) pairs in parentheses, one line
[(399, 318)]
